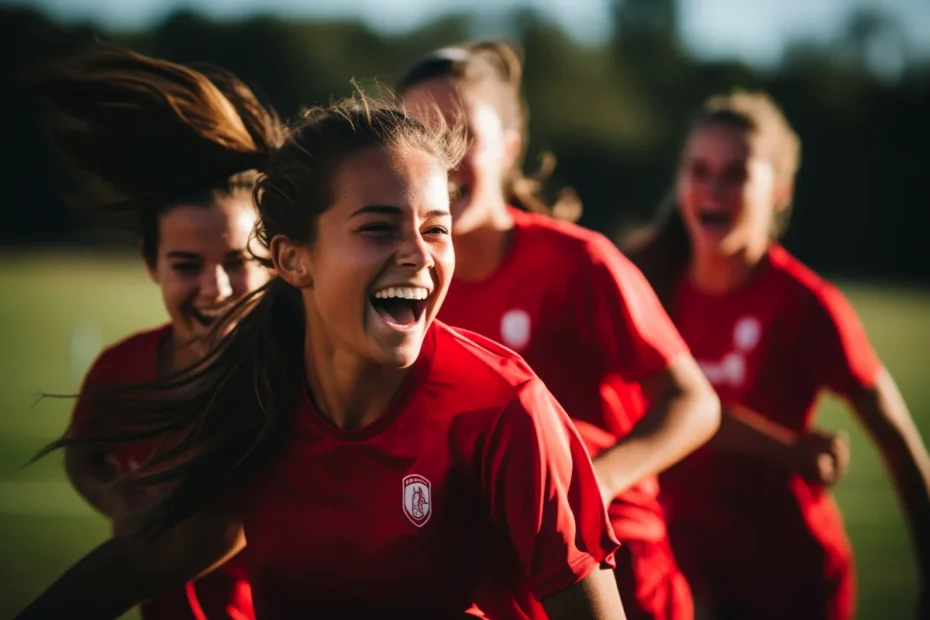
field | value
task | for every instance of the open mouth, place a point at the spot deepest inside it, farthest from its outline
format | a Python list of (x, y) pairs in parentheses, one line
[(714, 219), (400, 306), (205, 317)]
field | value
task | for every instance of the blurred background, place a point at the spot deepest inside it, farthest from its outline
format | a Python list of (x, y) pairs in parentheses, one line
[(611, 87)]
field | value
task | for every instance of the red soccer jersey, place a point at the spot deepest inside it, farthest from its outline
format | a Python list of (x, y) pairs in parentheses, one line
[(772, 346), (472, 476), (224, 593), (587, 322)]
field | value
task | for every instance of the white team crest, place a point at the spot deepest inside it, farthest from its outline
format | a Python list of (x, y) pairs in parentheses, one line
[(746, 333), (417, 499), (515, 329)]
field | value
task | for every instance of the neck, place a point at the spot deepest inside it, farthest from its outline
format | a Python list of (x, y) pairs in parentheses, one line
[(481, 250), (719, 273), (181, 355), (349, 392)]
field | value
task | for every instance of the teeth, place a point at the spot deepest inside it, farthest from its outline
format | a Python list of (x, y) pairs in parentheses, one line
[(210, 314), (402, 292)]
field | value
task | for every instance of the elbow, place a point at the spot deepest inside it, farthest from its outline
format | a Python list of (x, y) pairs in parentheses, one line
[(705, 412), (710, 413)]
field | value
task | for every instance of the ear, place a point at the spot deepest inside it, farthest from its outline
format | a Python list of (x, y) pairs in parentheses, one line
[(150, 267), (513, 146), (784, 193), (291, 261)]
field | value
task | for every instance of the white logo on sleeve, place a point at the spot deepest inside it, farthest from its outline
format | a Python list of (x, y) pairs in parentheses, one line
[(417, 499), (515, 329), (746, 333)]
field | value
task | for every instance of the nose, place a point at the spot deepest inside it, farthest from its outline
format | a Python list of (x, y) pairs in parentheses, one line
[(214, 284), (415, 252)]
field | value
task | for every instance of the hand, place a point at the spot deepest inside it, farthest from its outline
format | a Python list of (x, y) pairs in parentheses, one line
[(821, 457)]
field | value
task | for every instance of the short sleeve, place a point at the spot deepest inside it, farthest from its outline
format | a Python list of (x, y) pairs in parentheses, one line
[(542, 489), (841, 357), (621, 315), (94, 379)]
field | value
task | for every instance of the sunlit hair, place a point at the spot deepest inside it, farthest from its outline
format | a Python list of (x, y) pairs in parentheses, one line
[(220, 419), (498, 65), (146, 134)]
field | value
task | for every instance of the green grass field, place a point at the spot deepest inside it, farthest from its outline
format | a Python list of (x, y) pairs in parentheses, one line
[(58, 309)]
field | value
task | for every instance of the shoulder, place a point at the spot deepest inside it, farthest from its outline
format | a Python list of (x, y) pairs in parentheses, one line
[(808, 290), (564, 239), (471, 373), (130, 358)]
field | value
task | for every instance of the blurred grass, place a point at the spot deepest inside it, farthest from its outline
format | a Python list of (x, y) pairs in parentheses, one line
[(59, 308)]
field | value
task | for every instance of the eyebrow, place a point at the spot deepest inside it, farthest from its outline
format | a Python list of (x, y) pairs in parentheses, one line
[(183, 255), (392, 210)]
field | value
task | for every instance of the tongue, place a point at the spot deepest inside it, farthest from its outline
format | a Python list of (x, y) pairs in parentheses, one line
[(397, 311)]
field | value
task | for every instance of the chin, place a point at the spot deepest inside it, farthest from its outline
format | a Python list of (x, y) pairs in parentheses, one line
[(400, 357)]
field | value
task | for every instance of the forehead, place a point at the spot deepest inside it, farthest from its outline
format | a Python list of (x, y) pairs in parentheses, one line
[(718, 141), (225, 223), (455, 100), (404, 177)]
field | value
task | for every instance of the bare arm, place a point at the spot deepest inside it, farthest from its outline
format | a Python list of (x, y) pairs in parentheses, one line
[(883, 412), (593, 598), (126, 570), (684, 415), (818, 455), (745, 432)]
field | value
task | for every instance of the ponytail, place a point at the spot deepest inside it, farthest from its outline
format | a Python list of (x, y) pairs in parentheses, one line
[(146, 134), (664, 253)]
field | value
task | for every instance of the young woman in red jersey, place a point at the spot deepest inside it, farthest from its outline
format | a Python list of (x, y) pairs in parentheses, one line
[(379, 463), (178, 149), (580, 314), (751, 518)]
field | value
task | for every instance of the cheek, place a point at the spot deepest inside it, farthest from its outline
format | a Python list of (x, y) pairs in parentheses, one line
[(246, 280), (686, 193), (340, 286), (757, 201), (176, 290)]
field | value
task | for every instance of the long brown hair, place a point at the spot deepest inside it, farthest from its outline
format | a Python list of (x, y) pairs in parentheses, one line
[(499, 64), (665, 251), (219, 420), (147, 134)]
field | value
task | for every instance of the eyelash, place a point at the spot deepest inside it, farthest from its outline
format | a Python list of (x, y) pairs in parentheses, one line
[(387, 228), (238, 263)]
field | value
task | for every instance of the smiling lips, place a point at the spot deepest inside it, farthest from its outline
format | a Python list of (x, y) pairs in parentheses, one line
[(207, 316), (400, 306)]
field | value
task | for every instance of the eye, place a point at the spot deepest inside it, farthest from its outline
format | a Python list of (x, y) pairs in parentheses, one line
[(235, 263), (186, 268), (436, 231), (377, 229), (736, 174), (698, 170)]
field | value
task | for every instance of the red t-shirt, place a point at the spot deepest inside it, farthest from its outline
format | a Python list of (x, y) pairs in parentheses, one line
[(472, 477), (224, 593), (587, 322), (772, 346)]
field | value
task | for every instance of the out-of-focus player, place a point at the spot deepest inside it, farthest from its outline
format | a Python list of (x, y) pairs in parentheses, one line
[(121, 120), (752, 521), (577, 310)]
